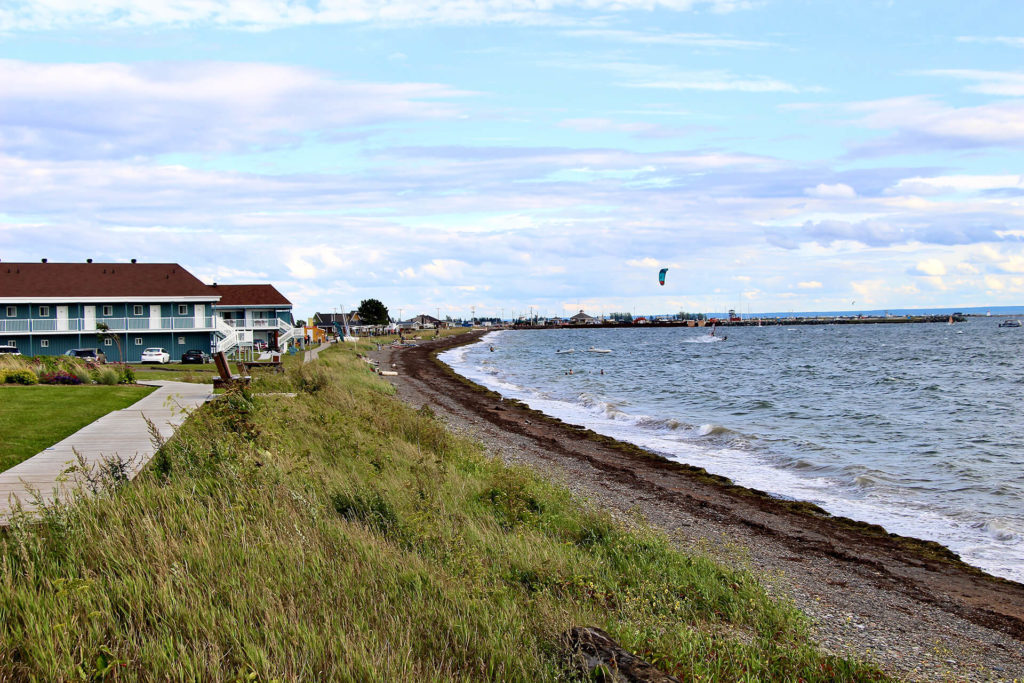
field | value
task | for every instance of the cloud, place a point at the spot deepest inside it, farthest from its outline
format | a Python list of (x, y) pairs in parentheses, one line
[(921, 124), (644, 263), (116, 110), (39, 15), (637, 129), (701, 40), (837, 191), (1010, 41), (810, 284), (950, 184), (1008, 83), (933, 267)]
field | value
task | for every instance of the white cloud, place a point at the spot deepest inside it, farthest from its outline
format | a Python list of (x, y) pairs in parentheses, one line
[(810, 284), (933, 267), (644, 263), (1008, 83), (701, 40), (937, 185), (1011, 41), (837, 191), (994, 283), (108, 110), (35, 15), (921, 123)]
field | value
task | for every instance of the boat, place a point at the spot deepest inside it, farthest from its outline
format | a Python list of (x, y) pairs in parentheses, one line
[(596, 350), (566, 351), (1010, 322)]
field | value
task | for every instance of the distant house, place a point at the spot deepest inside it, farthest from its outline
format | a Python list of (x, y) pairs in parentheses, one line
[(423, 322), (582, 318), (49, 308)]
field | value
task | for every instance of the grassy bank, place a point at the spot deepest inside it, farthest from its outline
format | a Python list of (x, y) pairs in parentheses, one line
[(341, 535), (36, 417)]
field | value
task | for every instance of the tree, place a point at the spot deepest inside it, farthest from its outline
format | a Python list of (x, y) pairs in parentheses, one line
[(373, 312)]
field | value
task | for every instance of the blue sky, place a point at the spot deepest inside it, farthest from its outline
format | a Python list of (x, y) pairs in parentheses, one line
[(775, 154)]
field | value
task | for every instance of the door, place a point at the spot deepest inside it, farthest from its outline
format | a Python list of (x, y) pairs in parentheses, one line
[(200, 315), (62, 318), (88, 318), (154, 316)]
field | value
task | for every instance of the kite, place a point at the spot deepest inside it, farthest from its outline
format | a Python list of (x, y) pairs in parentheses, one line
[(661, 276)]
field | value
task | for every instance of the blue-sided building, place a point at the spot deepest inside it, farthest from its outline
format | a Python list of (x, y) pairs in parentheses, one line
[(123, 308)]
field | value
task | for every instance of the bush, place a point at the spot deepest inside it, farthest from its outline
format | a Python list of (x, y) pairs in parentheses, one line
[(108, 376), (20, 377), (82, 374), (126, 374), (59, 377)]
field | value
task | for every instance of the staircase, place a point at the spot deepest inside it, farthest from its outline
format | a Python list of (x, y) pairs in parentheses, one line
[(229, 336), (286, 331)]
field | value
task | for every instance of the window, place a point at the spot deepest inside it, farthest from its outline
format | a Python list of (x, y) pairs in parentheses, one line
[(43, 343), (182, 309), (181, 340), (12, 311), (108, 342), (108, 311), (44, 311), (138, 341), (12, 342), (137, 310)]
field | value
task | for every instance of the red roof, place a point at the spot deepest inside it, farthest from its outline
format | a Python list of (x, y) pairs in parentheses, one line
[(249, 295), (73, 281)]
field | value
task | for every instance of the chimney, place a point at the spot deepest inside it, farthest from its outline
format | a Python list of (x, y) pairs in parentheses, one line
[(44, 260), (133, 260), (88, 260)]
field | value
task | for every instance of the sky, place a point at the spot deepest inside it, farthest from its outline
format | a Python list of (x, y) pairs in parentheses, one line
[(502, 157)]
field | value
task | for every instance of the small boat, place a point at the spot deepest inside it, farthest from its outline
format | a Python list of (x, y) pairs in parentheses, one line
[(595, 350), (566, 351), (1011, 322)]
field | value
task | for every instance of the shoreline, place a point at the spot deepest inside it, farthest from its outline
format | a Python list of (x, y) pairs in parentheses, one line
[(908, 604)]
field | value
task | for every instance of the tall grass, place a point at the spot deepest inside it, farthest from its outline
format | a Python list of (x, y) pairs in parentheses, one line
[(342, 535)]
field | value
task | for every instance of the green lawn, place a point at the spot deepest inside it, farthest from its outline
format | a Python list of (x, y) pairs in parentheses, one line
[(33, 418)]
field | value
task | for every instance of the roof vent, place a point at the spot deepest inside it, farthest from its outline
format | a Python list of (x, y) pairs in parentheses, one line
[(88, 260), (133, 260), (44, 260)]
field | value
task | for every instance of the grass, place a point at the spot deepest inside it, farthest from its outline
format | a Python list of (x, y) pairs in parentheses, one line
[(341, 535), (36, 417)]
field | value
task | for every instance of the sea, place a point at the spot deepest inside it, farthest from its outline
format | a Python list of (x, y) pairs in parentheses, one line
[(916, 427)]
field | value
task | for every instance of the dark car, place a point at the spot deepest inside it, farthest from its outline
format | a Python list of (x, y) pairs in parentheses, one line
[(88, 355), (195, 356), (12, 350)]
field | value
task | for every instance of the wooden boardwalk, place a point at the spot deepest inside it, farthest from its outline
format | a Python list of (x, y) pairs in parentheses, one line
[(124, 433)]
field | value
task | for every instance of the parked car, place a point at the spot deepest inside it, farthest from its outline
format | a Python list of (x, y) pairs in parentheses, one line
[(195, 356), (10, 350), (89, 355), (156, 355)]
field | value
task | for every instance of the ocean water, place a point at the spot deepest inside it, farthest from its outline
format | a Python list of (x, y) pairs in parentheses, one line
[(917, 427)]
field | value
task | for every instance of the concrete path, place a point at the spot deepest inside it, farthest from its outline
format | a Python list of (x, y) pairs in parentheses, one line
[(122, 432), (313, 354)]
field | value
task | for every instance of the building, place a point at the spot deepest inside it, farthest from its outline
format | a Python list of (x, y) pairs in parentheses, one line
[(48, 308), (259, 311), (582, 318)]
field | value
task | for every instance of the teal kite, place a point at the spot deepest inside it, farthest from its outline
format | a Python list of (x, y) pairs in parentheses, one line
[(661, 276)]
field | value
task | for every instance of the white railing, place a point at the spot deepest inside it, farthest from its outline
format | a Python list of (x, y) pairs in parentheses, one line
[(255, 323), (229, 335), (9, 325)]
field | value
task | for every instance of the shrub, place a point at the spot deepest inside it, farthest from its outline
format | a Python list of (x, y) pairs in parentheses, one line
[(59, 377), (20, 377), (108, 376), (126, 374), (82, 374)]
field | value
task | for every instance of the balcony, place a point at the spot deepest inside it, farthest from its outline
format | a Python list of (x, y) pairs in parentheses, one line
[(258, 323), (75, 325)]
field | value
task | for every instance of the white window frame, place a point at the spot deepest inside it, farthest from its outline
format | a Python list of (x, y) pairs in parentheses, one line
[(138, 341), (108, 341), (44, 343), (108, 311), (12, 342), (181, 340), (182, 309), (12, 311), (137, 309), (44, 311)]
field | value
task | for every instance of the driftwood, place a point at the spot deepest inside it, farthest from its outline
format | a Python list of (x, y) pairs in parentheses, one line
[(593, 650)]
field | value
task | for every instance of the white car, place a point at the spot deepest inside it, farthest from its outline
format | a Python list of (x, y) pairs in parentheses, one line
[(156, 355)]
